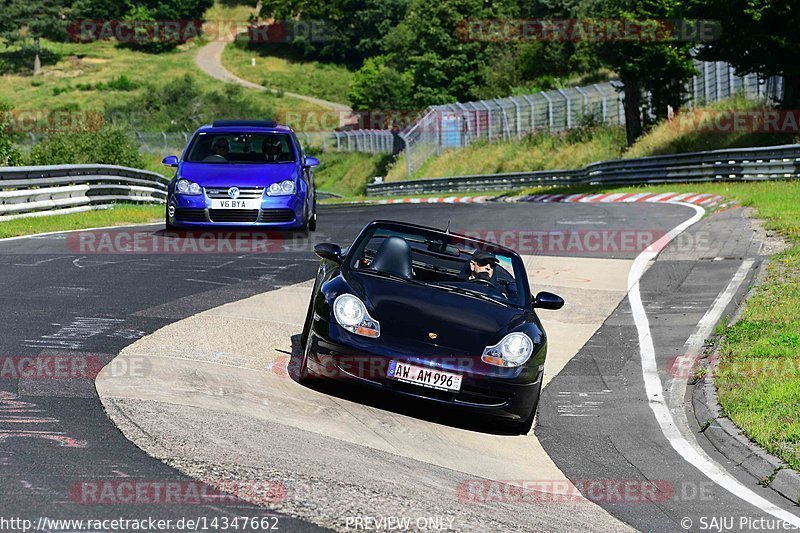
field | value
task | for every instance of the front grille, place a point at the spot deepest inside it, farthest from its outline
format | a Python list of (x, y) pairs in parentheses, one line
[(244, 192), (233, 215), (190, 215), (277, 215)]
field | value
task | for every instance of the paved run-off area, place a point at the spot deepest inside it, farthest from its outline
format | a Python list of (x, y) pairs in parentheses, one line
[(218, 398)]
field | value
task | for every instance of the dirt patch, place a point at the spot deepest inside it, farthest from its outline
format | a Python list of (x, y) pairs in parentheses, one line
[(773, 242)]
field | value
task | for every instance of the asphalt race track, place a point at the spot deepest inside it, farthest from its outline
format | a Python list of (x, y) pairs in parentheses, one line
[(57, 443)]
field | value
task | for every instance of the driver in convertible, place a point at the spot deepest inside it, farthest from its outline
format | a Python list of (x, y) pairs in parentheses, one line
[(481, 266)]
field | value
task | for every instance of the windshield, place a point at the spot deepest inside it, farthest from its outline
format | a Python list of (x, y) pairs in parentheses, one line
[(231, 147), (444, 261)]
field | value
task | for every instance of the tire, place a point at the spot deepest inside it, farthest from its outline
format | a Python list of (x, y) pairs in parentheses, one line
[(304, 227), (312, 223), (167, 225), (302, 373)]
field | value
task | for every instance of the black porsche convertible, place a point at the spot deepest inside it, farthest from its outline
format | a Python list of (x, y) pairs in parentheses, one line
[(431, 314)]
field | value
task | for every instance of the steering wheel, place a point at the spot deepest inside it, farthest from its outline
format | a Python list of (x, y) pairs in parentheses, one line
[(484, 281)]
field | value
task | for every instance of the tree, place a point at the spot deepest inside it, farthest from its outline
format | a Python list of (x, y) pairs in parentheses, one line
[(143, 10), (378, 86), (352, 30), (757, 37), (430, 44), (21, 20), (660, 66)]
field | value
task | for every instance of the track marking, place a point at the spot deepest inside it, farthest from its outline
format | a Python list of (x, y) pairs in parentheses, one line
[(34, 235), (653, 386)]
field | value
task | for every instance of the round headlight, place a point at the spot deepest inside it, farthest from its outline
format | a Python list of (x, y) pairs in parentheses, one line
[(287, 186), (349, 310), (275, 188), (183, 186), (516, 348), (194, 188)]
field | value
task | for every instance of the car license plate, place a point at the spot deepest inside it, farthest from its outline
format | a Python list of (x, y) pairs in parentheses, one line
[(254, 203), (427, 377)]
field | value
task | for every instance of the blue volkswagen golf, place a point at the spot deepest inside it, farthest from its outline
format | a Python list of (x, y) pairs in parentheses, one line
[(242, 173)]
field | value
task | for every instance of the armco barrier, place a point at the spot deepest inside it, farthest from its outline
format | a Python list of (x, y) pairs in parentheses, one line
[(739, 164), (36, 191)]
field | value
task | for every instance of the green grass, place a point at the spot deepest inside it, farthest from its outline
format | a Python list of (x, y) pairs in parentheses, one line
[(279, 70), (573, 149), (586, 145), (120, 214), (347, 173), (79, 76), (672, 138)]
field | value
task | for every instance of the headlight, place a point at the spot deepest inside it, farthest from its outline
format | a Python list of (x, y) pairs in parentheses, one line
[(283, 188), (514, 350), (184, 186), (352, 315)]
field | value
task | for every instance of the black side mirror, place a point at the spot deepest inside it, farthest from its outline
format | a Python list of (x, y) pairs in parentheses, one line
[(548, 300), (329, 251)]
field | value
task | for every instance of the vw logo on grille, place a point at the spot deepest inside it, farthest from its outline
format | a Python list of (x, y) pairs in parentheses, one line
[(233, 192)]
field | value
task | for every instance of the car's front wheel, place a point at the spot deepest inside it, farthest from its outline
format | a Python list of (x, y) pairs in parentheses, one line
[(167, 224), (312, 223)]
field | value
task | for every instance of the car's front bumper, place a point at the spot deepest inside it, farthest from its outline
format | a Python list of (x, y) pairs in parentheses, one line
[(276, 212), (510, 398)]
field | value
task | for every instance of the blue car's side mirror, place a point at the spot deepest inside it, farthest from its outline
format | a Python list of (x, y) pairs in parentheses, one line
[(170, 161), (311, 162), (548, 300)]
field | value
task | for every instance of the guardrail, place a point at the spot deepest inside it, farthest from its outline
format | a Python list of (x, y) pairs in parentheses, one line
[(60, 189), (739, 164)]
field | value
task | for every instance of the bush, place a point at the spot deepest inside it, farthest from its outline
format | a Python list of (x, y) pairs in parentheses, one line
[(181, 105), (109, 145), (9, 155)]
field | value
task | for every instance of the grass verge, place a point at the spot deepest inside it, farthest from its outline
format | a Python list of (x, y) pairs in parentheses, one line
[(276, 68), (347, 173), (581, 146), (119, 215)]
